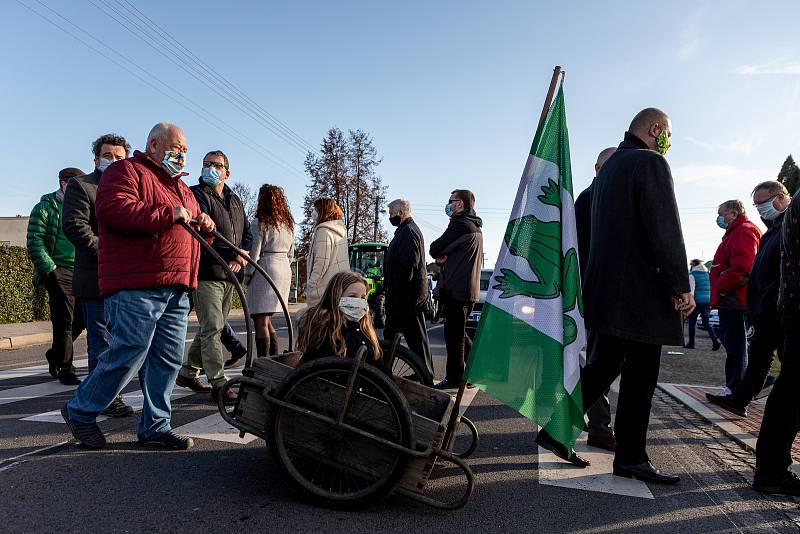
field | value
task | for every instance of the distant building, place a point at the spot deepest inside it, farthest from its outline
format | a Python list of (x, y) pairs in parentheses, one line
[(14, 231)]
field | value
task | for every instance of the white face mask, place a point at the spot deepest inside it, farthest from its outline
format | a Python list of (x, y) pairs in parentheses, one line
[(767, 210), (104, 163), (353, 308)]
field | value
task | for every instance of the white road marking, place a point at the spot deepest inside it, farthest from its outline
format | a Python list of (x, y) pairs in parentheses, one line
[(24, 372), (214, 428), (23, 393), (554, 471)]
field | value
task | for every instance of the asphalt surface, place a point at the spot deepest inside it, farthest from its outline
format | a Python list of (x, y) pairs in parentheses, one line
[(48, 483)]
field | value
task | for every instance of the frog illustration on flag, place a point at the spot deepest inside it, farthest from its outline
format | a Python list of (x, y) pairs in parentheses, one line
[(539, 242)]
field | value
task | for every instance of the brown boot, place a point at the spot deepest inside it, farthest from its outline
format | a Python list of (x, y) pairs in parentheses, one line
[(192, 383)]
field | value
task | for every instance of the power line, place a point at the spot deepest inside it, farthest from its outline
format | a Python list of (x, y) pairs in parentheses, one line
[(233, 132), (158, 39)]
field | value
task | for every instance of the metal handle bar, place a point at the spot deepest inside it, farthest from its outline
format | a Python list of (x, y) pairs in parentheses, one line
[(233, 279), (269, 280)]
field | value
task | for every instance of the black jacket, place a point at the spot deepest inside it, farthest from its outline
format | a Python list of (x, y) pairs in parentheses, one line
[(637, 258), (583, 225), (79, 223), (227, 212), (789, 294), (462, 243), (765, 275), (355, 339), (404, 270)]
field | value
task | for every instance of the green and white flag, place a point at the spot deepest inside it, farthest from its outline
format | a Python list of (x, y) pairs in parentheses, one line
[(527, 348)]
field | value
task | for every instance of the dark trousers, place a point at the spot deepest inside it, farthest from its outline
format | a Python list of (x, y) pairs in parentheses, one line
[(782, 413), (703, 310), (94, 318), (410, 323), (600, 412), (767, 338), (638, 363), (733, 334), (456, 340), (67, 324), (230, 341)]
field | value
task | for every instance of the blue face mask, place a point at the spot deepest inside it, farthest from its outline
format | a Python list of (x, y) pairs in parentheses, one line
[(448, 209), (104, 163), (721, 222), (173, 162), (211, 176)]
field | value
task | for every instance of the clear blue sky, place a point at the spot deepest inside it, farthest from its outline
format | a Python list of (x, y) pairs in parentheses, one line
[(450, 91)]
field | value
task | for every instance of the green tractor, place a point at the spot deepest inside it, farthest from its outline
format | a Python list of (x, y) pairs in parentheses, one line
[(367, 260)]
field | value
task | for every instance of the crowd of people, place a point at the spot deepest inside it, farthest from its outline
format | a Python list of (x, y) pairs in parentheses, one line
[(109, 248)]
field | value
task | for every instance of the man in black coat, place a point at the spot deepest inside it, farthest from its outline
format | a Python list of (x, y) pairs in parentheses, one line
[(636, 288), (214, 293), (782, 412), (600, 433), (771, 199), (406, 283), (459, 250), (79, 222)]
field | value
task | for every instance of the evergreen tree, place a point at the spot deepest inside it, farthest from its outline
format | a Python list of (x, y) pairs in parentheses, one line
[(789, 175)]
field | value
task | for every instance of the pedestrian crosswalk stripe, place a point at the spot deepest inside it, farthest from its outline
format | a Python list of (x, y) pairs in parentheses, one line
[(598, 477), (134, 399), (24, 393), (214, 428), (25, 372)]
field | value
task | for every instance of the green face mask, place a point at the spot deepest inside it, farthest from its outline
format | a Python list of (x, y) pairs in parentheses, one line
[(662, 142)]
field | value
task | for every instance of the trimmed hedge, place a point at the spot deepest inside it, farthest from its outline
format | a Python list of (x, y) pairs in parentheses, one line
[(20, 301)]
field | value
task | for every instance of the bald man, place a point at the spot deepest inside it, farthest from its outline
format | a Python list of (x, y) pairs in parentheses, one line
[(147, 266), (636, 288), (601, 434)]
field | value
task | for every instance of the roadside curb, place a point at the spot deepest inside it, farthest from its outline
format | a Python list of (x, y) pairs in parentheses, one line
[(729, 428), (45, 338)]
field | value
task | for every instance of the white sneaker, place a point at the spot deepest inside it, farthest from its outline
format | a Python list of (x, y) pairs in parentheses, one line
[(724, 391)]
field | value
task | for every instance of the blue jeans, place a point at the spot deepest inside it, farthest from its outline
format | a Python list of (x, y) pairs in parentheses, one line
[(703, 310), (146, 335), (733, 334), (94, 319)]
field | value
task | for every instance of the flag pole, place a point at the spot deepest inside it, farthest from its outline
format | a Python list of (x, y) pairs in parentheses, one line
[(454, 415)]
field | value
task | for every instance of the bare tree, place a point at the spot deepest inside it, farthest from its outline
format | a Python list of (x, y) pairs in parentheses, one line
[(248, 197), (344, 169)]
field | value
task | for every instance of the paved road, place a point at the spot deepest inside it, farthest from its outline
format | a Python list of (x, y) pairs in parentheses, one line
[(47, 483)]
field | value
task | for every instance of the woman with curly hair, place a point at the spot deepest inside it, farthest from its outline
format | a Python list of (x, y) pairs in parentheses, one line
[(340, 324), (273, 248), (328, 249)]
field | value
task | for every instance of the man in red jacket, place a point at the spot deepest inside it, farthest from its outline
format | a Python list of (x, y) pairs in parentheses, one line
[(146, 266), (729, 273)]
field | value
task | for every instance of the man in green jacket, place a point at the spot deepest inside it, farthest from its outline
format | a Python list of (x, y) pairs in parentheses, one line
[(53, 257)]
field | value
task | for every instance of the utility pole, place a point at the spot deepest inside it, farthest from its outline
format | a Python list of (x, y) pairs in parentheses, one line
[(378, 202)]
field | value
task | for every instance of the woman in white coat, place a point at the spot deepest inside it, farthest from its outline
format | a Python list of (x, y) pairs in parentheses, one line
[(327, 251), (273, 248)]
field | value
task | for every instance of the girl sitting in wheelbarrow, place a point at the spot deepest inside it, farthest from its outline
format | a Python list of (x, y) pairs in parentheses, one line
[(340, 324)]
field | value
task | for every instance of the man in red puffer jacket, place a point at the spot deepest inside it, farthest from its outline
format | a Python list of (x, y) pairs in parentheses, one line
[(729, 273), (147, 264)]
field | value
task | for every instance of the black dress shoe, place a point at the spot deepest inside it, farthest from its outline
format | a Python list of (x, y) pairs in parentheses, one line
[(715, 345), (729, 403), (786, 484), (606, 442), (645, 472), (546, 441), (68, 378), (52, 365)]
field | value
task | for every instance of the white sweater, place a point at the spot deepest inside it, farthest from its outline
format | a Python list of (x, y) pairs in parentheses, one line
[(327, 256)]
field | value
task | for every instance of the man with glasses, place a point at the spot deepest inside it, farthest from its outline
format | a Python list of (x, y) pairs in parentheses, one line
[(214, 293), (459, 252), (771, 200)]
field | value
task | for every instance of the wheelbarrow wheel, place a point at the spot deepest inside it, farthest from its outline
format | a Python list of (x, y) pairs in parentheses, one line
[(326, 463), (407, 364)]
